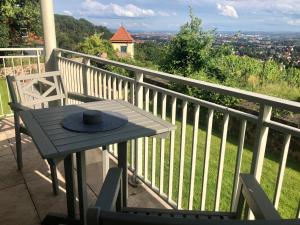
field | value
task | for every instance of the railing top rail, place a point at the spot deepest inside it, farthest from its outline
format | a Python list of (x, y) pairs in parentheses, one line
[(20, 49), (238, 93)]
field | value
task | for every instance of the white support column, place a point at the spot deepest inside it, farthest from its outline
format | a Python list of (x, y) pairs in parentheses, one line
[(49, 33)]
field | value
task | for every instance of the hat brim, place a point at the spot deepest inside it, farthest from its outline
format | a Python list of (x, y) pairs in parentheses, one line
[(109, 121)]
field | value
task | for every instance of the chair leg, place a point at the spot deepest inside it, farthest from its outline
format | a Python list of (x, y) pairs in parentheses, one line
[(18, 141), (54, 177)]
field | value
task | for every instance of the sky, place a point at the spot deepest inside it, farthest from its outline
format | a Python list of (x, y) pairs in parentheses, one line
[(169, 15)]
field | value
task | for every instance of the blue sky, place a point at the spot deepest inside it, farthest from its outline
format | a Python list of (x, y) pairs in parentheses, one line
[(169, 15)]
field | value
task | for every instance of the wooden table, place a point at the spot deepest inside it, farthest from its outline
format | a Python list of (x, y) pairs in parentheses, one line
[(55, 142)]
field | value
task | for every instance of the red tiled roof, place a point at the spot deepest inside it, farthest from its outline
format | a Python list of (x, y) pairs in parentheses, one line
[(122, 36)]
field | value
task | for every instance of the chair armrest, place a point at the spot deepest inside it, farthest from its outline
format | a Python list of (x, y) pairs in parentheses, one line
[(109, 195), (83, 98), (256, 199), (18, 107)]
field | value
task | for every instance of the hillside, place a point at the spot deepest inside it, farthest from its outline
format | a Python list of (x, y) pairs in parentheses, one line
[(71, 31)]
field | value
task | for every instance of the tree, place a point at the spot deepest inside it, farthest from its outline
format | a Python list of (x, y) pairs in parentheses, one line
[(70, 31), (96, 45), (18, 15), (189, 50), (4, 35)]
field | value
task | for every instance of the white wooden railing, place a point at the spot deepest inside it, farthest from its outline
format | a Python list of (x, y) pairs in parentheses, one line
[(15, 61), (155, 162), (176, 167)]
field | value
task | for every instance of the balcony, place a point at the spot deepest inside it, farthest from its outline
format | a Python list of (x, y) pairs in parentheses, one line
[(195, 167)]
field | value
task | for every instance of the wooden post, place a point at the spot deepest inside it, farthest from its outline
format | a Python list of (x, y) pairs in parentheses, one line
[(139, 77), (262, 131), (85, 74)]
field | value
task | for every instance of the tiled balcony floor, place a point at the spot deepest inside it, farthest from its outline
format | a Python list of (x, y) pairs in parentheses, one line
[(26, 196)]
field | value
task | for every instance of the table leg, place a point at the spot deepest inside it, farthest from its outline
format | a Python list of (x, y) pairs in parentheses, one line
[(82, 188), (69, 177), (122, 163)]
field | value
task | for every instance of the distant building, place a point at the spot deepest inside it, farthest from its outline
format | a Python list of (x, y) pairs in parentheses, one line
[(123, 42)]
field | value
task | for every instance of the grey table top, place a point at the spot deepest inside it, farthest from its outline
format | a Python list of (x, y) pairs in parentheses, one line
[(53, 141)]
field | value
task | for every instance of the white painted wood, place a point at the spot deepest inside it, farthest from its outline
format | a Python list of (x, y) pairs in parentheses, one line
[(132, 88), (162, 146), (238, 164), (139, 97), (154, 141), (49, 36), (86, 75), (206, 158), (282, 165), (194, 156), (221, 162), (265, 113), (241, 94), (172, 146), (126, 91), (182, 153), (104, 86), (100, 85), (105, 163), (115, 88), (146, 139), (120, 89), (96, 83), (109, 87)]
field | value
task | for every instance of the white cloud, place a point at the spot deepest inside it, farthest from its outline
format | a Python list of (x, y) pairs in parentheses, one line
[(295, 22), (227, 10), (67, 12), (97, 9)]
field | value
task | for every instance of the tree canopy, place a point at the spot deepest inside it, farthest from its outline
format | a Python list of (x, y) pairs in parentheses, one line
[(190, 48), (70, 31), (16, 16)]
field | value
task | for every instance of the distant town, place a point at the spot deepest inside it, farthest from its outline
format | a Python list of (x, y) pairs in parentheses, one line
[(282, 47)]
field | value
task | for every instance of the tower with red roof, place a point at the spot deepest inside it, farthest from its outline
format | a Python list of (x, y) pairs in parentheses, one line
[(123, 42)]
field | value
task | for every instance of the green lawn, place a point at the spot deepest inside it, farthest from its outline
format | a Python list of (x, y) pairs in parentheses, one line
[(4, 107), (290, 191)]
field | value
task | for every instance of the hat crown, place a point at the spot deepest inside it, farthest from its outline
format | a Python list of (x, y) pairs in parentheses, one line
[(90, 117)]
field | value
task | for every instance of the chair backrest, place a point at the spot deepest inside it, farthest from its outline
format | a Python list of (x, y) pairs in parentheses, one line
[(108, 209), (37, 90)]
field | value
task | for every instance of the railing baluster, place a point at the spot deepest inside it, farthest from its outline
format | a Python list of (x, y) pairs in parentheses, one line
[(146, 140), (182, 153), (221, 162), (120, 89), (194, 155), (109, 86), (162, 146), (238, 165), (104, 85), (100, 85), (172, 146), (126, 91), (283, 159), (97, 83), (206, 158), (114, 88), (154, 141)]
